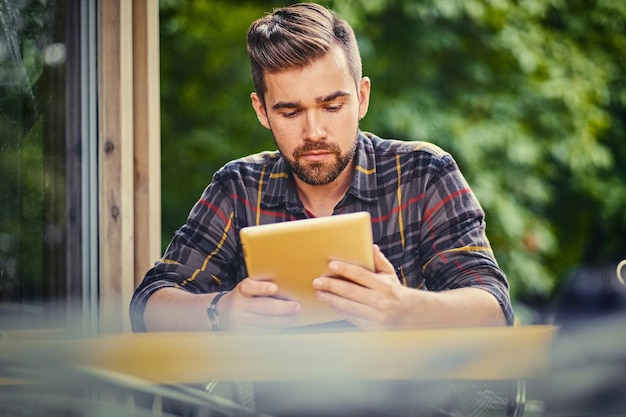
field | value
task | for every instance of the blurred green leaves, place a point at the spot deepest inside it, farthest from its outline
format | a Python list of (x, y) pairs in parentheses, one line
[(529, 97)]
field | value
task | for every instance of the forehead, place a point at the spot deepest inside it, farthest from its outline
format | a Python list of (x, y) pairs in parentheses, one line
[(321, 77)]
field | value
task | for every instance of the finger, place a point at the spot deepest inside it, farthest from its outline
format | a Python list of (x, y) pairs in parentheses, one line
[(347, 308), (365, 316), (272, 307), (252, 287), (270, 313), (264, 312), (355, 273), (347, 297), (344, 288), (381, 263), (360, 275)]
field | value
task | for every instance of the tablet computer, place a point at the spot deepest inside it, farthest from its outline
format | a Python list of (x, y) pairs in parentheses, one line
[(293, 253)]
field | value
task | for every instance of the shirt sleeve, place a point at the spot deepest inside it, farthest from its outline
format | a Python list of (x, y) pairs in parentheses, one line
[(200, 257), (456, 250)]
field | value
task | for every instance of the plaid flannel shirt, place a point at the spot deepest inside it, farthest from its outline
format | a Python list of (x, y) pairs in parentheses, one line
[(425, 219)]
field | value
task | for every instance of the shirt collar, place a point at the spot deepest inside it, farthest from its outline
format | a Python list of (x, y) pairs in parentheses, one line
[(281, 190)]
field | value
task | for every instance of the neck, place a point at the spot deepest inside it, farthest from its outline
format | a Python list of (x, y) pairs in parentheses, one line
[(321, 200)]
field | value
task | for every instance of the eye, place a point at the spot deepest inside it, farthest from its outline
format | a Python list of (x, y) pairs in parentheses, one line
[(290, 114), (334, 107)]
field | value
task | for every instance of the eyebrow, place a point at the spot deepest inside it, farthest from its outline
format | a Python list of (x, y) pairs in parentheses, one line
[(319, 100)]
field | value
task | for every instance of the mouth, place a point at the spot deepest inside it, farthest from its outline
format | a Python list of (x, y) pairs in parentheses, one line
[(316, 152), (316, 156)]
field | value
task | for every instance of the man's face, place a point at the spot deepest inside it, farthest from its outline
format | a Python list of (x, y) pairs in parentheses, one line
[(313, 113)]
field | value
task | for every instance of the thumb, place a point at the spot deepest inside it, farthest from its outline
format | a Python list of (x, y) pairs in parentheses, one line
[(381, 263)]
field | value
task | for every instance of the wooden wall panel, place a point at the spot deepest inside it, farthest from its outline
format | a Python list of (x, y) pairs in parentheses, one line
[(129, 152), (115, 163), (147, 125)]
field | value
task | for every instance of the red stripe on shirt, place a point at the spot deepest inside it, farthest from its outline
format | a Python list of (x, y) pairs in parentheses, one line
[(430, 212), (466, 271), (397, 209), (214, 209), (274, 214)]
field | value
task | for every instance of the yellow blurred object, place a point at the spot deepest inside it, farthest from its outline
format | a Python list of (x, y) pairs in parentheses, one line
[(468, 353)]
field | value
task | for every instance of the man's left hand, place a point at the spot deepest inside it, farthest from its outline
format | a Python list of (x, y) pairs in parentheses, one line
[(369, 300)]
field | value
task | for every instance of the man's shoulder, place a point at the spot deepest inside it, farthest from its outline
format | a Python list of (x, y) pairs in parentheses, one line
[(246, 171), (251, 163), (397, 147), (260, 159)]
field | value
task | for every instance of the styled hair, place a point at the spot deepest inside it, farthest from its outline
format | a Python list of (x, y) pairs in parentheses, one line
[(295, 36)]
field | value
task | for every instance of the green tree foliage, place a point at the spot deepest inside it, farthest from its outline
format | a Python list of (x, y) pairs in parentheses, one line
[(528, 95), (206, 115)]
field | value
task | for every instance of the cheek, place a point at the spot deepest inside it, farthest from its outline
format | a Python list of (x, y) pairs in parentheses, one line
[(348, 127), (284, 138)]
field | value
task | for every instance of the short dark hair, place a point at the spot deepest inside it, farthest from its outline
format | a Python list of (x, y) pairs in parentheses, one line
[(296, 35)]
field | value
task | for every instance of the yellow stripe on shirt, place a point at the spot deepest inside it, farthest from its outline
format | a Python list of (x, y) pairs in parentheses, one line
[(258, 196), (279, 175), (210, 255), (400, 221), (365, 171)]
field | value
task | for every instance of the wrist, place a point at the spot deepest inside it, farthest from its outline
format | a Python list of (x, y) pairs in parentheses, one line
[(212, 312)]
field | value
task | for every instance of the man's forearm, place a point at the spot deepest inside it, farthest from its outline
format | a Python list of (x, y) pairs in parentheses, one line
[(461, 307), (171, 309)]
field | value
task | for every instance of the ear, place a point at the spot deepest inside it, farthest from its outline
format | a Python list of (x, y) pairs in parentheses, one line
[(364, 96), (259, 108)]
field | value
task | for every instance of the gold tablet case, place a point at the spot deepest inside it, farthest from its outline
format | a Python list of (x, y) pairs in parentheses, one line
[(293, 253)]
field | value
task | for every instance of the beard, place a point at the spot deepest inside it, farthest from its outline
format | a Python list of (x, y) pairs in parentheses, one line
[(324, 172)]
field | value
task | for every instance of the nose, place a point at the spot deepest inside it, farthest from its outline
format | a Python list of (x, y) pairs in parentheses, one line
[(313, 127)]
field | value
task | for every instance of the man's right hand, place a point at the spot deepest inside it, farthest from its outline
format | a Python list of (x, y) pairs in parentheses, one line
[(253, 305)]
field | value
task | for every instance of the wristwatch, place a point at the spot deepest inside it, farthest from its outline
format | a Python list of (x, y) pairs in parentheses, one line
[(214, 317)]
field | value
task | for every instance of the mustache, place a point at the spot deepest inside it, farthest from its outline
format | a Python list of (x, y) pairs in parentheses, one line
[(316, 146)]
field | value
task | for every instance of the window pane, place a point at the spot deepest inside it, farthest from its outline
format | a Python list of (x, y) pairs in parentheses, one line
[(40, 153)]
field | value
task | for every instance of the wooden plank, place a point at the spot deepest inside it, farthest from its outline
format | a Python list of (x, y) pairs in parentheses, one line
[(147, 145), (115, 161)]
